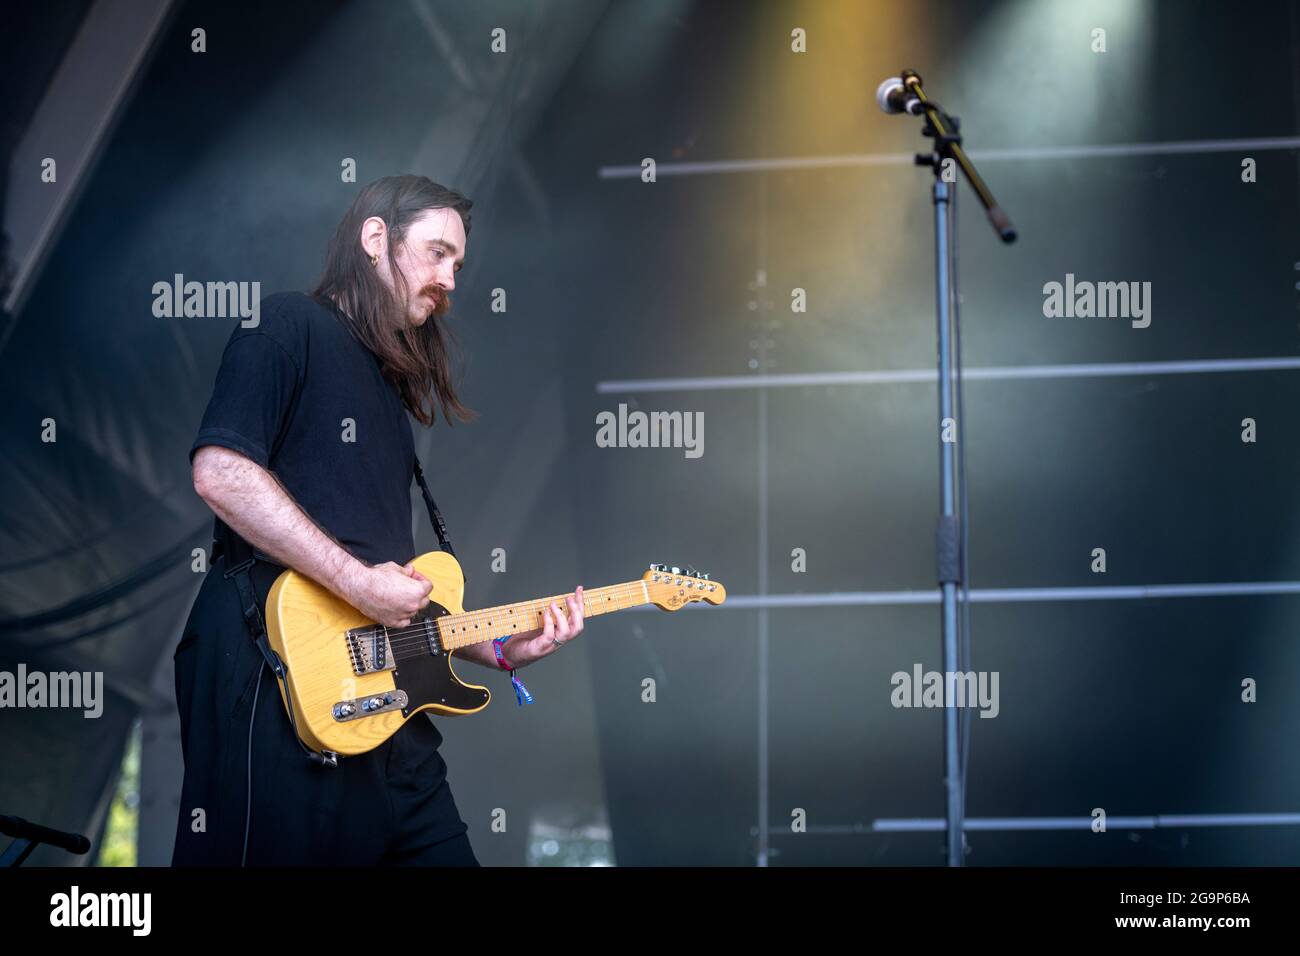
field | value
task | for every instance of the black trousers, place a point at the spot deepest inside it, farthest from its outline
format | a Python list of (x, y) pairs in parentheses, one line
[(390, 806)]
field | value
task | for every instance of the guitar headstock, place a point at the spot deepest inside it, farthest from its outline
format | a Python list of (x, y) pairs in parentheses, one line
[(674, 588)]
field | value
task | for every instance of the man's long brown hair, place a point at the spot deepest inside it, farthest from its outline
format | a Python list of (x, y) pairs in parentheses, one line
[(416, 360)]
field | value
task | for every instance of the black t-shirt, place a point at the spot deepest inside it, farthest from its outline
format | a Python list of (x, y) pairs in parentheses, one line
[(299, 395)]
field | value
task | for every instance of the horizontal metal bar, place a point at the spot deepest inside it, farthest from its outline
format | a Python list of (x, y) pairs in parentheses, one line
[(737, 602), (1157, 822), (931, 376), (1161, 821), (1105, 150)]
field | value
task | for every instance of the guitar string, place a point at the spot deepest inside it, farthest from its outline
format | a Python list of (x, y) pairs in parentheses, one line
[(483, 614), (415, 638), (561, 599), (410, 643), (417, 635), (477, 617), (405, 643)]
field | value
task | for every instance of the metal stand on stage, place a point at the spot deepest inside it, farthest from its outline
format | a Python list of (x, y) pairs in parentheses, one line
[(27, 836), (905, 94)]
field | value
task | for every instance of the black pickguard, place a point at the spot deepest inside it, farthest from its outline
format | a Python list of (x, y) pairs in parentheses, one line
[(427, 678)]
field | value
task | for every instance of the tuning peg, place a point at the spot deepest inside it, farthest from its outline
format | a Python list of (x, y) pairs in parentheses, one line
[(704, 575), (675, 570), (691, 571)]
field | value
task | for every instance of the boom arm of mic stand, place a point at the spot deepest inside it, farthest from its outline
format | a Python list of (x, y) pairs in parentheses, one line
[(948, 144)]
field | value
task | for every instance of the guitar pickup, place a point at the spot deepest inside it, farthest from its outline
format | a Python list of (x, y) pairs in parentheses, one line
[(368, 647)]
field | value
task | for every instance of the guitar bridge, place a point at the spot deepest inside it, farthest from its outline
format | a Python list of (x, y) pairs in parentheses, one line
[(369, 649)]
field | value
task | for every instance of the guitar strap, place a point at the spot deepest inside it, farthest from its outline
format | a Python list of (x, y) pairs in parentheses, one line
[(435, 516), (239, 562), (240, 558)]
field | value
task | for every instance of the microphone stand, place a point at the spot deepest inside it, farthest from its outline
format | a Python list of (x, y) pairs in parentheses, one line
[(951, 537), (28, 835)]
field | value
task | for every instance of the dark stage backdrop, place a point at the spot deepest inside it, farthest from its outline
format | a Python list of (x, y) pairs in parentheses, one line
[(676, 295)]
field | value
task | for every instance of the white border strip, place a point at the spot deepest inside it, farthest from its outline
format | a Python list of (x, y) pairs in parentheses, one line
[(931, 376), (1133, 592), (905, 159)]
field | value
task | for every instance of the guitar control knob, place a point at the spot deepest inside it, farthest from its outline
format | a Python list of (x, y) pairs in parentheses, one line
[(346, 710)]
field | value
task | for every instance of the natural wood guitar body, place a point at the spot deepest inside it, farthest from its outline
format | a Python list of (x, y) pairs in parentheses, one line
[(352, 684)]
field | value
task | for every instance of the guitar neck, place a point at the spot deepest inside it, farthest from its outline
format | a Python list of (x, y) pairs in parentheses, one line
[(476, 627)]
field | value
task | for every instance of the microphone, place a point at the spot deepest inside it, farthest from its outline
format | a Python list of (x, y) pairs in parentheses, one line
[(893, 97)]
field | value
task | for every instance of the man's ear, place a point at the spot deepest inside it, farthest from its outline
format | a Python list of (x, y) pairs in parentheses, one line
[(374, 236)]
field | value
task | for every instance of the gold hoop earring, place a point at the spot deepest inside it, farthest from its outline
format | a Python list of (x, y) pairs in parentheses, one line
[(374, 260)]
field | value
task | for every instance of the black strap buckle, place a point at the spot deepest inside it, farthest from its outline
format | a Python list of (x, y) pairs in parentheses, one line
[(239, 568)]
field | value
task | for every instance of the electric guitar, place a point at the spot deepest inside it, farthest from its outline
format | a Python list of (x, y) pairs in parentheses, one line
[(352, 683)]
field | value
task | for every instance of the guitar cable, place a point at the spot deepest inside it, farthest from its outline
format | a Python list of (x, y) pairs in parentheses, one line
[(248, 799), (324, 759), (257, 627)]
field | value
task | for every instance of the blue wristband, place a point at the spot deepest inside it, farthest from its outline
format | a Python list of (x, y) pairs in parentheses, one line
[(521, 692)]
